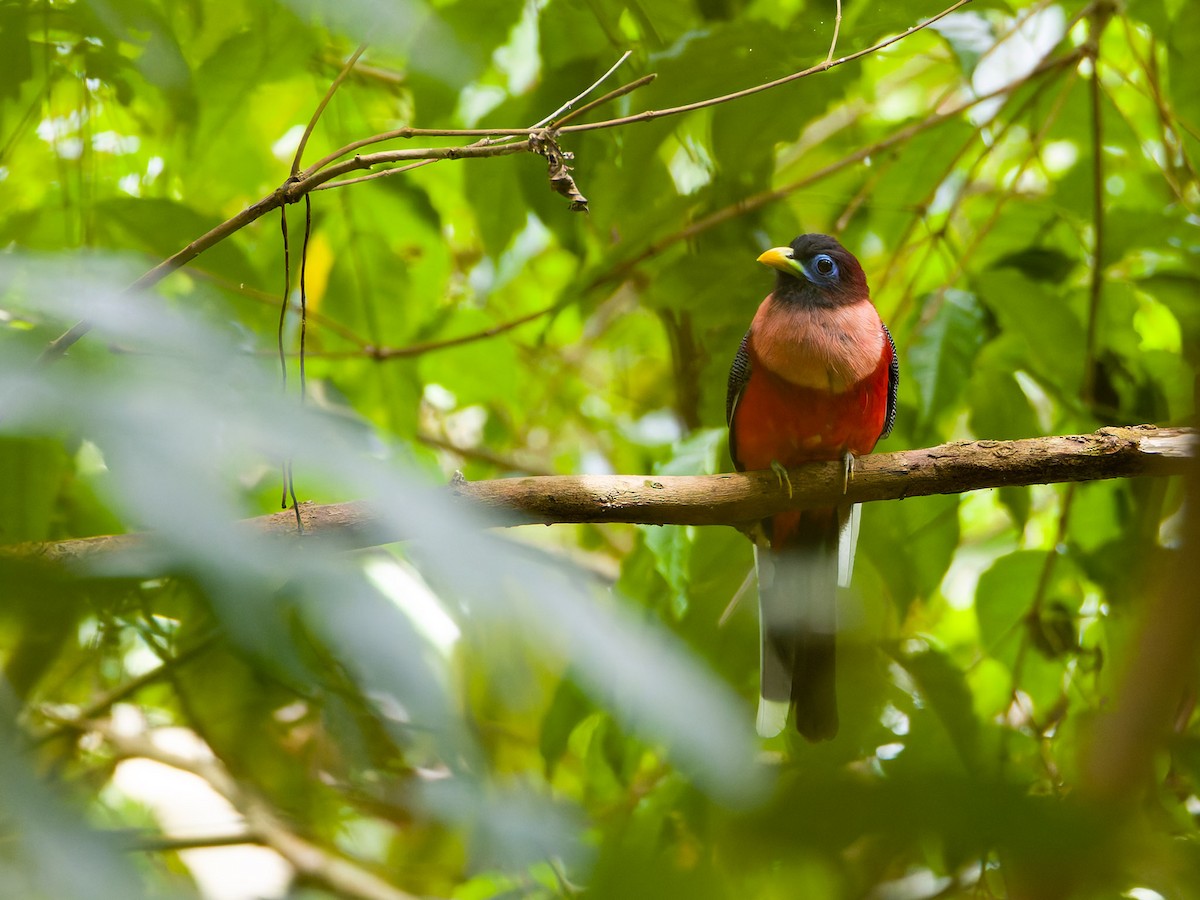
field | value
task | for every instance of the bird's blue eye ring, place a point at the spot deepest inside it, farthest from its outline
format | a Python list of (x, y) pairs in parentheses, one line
[(825, 265)]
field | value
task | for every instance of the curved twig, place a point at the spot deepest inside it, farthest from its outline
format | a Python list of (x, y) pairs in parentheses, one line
[(312, 122)]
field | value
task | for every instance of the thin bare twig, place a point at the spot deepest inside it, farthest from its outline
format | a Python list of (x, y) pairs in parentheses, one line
[(1100, 18), (101, 705), (312, 122), (386, 173), (296, 189), (385, 353), (482, 455), (259, 296), (286, 465), (612, 95), (287, 292), (143, 843), (334, 872), (757, 201), (963, 258), (487, 134), (837, 27), (599, 81), (650, 115), (646, 116)]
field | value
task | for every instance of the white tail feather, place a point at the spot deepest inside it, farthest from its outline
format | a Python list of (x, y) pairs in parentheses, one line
[(772, 716), (848, 544)]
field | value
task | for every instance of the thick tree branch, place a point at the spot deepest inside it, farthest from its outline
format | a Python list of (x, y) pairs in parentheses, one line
[(737, 498)]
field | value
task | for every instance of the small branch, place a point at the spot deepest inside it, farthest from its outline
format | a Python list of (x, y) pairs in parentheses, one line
[(1096, 286), (837, 28), (158, 844), (736, 498), (479, 454), (408, 132), (297, 189), (101, 705), (599, 81), (487, 135), (764, 198), (335, 872), (272, 300), (312, 123), (824, 66), (381, 354), (385, 173), (607, 98)]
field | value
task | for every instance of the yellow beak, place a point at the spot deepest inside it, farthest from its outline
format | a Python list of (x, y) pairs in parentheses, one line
[(780, 258)]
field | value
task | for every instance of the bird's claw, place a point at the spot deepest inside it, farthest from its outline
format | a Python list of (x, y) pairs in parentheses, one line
[(781, 474), (847, 471)]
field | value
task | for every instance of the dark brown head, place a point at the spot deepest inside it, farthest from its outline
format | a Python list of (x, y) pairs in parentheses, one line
[(816, 271)]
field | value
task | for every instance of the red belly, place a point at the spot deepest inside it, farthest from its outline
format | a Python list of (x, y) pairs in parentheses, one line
[(778, 422)]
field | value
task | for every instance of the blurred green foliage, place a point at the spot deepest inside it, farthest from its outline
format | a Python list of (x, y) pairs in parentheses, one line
[(542, 711)]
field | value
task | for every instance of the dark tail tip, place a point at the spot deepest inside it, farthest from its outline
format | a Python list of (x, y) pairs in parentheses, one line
[(816, 725), (814, 688)]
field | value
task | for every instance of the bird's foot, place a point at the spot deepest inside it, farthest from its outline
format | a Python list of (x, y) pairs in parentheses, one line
[(847, 470), (781, 473)]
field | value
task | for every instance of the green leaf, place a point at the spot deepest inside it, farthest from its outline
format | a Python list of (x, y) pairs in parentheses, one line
[(910, 181), (1000, 409), (1051, 336), (160, 61), (911, 542), (672, 549), (1039, 263), (944, 690), (1180, 293), (1003, 599), (567, 709), (941, 354), (571, 29), (1132, 228), (163, 227), (1019, 504)]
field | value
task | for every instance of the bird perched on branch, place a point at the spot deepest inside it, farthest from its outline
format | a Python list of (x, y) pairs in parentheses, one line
[(814, 379)]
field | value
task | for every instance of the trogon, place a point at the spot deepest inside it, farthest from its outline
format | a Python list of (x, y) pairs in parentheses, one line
[(814, 379)]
